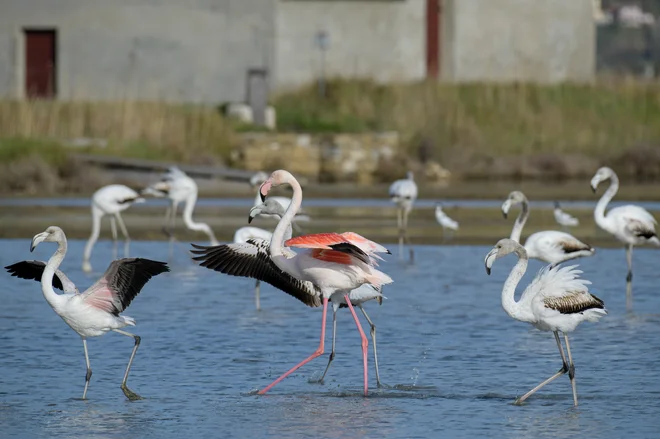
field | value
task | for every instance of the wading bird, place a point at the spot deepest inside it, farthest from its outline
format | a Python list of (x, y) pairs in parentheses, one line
[(564, 219), (403, 193), (178, 187), (446, 222), (556, 300), (549, 246), (334, 263), (630, 224), (109, 200), (97, 310), (252, 259)]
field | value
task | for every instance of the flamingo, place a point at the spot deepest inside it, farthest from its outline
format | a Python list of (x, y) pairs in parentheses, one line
[(404, 193), (444, 220), (97, 310), (179, 187), (109, 200), (549, 246), (255, 182), (252, 259), (564, 219), (242, 236), (630, 224), (334, 263), (556, 300)]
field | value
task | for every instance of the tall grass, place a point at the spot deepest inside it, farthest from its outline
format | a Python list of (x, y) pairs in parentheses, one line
[(599, 120), (137, 129)]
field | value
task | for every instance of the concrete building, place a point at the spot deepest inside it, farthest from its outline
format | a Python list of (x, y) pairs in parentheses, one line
[(214, 51)]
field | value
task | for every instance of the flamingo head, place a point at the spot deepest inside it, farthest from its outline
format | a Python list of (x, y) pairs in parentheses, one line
[(51, 234), (268, 207), (601, 175), (501, 249), (515, 197), (276, 178)]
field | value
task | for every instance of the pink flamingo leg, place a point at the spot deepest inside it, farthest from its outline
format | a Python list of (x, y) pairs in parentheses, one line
[(365, 343), (316, 353)]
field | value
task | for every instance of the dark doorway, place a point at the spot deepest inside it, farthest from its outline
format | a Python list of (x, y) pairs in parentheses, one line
[(40, 63), (432, 38), (257, 94)]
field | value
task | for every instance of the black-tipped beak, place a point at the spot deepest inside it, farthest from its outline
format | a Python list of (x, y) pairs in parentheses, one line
[(488, 271), (32, 247), (250, 219), (593, 189), (263, 197), (505, 214)]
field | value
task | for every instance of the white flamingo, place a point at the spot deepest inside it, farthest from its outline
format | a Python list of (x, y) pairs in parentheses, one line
[(630, 224), (564, 219), (404, 193), (179, 188), (109, 200), (252, 259), (556, 300), (97, 310), (444, 220), (549, 246)]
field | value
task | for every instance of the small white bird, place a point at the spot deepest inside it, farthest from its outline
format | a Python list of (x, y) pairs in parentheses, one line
[(549, 246), (556, 300), (97, 310), (109, 200), (444, 220), (564, 219), (632, 225)]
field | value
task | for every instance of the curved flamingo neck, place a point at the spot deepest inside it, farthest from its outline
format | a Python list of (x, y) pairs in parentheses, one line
[(520, 221), (599, 212), (53, 299), (513, 308), (97, 214), (284, 226), (191, 224)]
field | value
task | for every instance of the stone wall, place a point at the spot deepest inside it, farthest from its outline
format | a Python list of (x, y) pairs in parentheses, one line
[(322, 157)]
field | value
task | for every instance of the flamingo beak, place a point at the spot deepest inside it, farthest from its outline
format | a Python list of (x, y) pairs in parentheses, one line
[(505, 208), (256, 210), (490, 259), (265, 188), (37, 239)]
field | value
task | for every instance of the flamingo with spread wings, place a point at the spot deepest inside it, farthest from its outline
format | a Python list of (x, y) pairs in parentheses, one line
[(335, 263)]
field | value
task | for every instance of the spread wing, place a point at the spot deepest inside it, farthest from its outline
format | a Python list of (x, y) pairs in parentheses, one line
[(252, 259), (35, 269)]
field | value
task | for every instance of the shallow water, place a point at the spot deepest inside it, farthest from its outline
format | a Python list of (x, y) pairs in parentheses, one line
[(454, 360)]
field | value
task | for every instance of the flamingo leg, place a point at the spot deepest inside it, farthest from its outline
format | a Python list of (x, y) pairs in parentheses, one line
[(399, 224), (365, 343), (332, 354), (571, 370), (373, 338), (257, 294), (405, 235), (563, 370), (629, 251), (128, 392), (124, 231), (113, 229), (166, 229), (316, 353), (88, 375)]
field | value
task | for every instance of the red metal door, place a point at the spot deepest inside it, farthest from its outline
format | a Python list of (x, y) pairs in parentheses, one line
[(40, 67), (432, 38)]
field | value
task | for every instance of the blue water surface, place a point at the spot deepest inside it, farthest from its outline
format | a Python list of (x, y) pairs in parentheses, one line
[(453, 361)]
